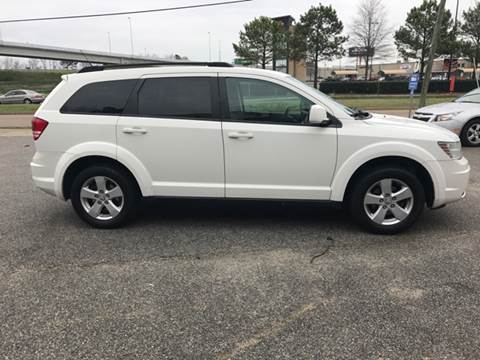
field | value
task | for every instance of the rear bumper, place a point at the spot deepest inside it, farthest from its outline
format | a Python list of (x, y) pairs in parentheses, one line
[(456, 174), (43, 171)]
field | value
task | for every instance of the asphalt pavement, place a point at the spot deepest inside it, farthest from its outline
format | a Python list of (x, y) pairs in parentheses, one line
[(232, 280)]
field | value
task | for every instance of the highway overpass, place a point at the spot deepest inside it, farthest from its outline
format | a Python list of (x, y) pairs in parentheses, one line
[(69, 54)]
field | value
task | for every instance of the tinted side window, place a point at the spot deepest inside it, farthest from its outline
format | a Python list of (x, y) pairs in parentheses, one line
[(263, 101), (182, 97), (106, 97)]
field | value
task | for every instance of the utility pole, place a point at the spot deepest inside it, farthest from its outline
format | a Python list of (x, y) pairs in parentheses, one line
[(219, 50), (433, 50), (131, 35), (454, 34)]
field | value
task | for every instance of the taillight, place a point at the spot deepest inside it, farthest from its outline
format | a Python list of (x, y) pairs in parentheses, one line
[(38, 126)]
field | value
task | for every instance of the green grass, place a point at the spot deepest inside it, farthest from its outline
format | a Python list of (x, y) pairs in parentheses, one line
[(392, 102), (11, 109)]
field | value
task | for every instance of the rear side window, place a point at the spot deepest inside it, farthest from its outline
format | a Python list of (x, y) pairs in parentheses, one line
[(106, 97), (182, 97)]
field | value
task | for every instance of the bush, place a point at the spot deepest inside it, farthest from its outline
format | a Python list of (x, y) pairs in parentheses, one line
[(391, 87)]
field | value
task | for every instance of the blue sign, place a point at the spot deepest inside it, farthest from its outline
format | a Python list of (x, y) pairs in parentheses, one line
[(413, 83)]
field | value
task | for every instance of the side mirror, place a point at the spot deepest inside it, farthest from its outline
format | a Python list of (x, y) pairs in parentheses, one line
[(318, 116)]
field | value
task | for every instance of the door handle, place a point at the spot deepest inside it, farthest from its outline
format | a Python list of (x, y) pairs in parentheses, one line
[(241, 135), (134, 130)]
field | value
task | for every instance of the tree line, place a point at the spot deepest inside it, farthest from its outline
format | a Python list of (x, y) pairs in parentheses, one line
[(319, 36)]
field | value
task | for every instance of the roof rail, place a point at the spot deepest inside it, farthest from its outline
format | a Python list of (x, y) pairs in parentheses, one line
[(160, 63)]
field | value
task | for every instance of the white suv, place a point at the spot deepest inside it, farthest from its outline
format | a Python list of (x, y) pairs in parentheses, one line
[(106, 137)]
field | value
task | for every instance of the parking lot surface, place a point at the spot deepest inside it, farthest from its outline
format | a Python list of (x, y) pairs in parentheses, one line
[(239, 280)]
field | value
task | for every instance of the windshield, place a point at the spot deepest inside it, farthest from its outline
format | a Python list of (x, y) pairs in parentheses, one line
[(471, 97), (330, 102)]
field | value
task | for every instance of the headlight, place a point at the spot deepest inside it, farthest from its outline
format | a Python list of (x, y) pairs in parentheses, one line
[(452, 149), (447, 117)]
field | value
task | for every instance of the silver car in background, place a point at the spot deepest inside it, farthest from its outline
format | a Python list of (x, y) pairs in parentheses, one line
[(462, 116), (21, 97)]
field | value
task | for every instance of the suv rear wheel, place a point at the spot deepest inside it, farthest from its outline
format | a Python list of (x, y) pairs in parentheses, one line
[(387, 201), (104, 197)]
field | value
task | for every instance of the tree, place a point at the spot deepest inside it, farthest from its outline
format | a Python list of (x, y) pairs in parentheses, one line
[(319, 36), (295, 47), (7, 63), (262, 41), (413, 40), (370, 30), (471, 33), (68, 64), (33, 63)]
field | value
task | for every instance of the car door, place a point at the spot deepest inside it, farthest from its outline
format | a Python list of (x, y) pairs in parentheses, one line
[(9, 97), (172, 126), (270, 149), (19, 97)]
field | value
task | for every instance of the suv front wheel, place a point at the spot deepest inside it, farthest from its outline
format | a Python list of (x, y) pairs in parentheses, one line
[(387, 201), (470, 134), (103, 196)]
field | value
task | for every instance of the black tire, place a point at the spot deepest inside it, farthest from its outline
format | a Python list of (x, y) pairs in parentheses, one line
[(464, 133), (117, 175), (368, 179), (27, 101)]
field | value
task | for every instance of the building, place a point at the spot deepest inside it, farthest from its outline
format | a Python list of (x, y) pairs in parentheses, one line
[(297, 69), (461, 68)]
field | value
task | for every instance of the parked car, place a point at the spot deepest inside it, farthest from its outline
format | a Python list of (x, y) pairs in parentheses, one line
[(21, 97), (461, 116), (106, 137)]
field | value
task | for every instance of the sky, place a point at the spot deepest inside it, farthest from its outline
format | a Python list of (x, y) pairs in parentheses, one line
[(184, 32)]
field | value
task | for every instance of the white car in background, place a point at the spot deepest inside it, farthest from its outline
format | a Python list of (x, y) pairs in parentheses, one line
[(461, 116)]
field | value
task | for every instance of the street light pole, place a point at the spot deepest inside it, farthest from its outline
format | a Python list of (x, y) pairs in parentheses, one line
[(209, 46), (433, 50), (131, 35), (109, 43)]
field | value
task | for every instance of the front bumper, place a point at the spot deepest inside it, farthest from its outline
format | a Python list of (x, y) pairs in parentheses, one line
[(454, 125), (456, 174)]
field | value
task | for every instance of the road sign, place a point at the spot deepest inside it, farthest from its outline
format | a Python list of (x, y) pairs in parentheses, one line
[(241, 61), (361, 51), (412, 86), (413, 83)]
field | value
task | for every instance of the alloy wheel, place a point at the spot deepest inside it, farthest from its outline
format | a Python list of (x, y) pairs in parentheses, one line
[(473, 134), (101, 198), (388, 202)]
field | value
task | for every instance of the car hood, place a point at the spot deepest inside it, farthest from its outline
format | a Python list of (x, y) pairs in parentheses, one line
[(449, 107), (417, 127)]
